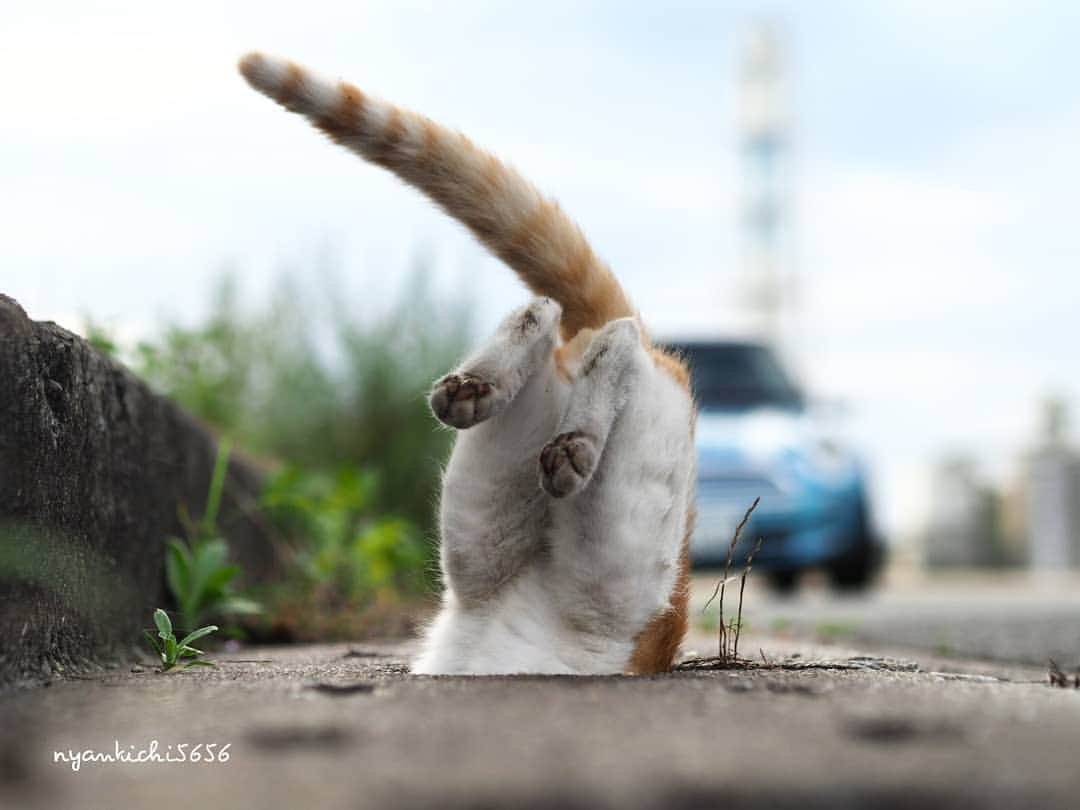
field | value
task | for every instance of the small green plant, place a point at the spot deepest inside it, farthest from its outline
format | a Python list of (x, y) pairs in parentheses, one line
[(198, 574), (200, 580), (173, 652), (312, 382), (351, 567), (348, 545), (331, 391)]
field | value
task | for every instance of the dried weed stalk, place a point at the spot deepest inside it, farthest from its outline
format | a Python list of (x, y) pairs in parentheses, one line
[(1061, 679), (728, 651)]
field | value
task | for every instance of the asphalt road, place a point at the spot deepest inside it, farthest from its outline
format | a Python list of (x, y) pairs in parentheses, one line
[(1014, 616), (887, 715), (338, 727)]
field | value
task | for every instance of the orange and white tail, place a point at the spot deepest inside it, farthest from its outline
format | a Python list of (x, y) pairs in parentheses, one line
[(523, 228)]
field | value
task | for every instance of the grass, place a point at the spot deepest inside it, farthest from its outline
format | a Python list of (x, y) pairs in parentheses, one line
[(334, 396), (198, 572), (319, 385), (174, 653), (351, 570)]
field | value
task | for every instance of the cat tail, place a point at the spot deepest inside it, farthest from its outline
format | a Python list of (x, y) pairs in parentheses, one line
[(506, 213)]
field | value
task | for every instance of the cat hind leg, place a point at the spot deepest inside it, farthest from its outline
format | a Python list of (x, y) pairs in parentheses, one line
[(490, 379), (597, 394)]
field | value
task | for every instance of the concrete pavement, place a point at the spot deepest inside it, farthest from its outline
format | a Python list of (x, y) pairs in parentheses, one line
[(346, 726), (1005, 616)]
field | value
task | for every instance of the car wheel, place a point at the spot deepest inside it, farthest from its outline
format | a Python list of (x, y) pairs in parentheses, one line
[(784, 581), (856, 569)]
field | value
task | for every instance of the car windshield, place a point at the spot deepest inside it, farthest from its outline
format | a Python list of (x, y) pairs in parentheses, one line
[(738, 375)]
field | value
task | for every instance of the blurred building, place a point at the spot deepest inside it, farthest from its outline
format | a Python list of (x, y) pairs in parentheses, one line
[(965, 518), (1014, 517), (1053, 495)]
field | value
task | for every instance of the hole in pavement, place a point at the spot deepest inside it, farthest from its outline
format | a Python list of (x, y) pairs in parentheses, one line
[(299, 737), (343, 689)]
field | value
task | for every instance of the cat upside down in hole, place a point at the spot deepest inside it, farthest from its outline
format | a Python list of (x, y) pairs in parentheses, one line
[(567, 502)]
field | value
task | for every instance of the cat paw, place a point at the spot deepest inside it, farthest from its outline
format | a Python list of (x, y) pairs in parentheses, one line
[(567, 463), (540, 315), (462, 400)]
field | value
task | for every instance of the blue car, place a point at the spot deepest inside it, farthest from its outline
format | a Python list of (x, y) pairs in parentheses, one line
[(756, 438)]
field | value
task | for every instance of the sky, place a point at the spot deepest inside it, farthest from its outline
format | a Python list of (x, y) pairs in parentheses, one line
[(935, 167)]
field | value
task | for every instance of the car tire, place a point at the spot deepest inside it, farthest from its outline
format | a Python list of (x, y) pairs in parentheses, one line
[(784, 581), (856, 569)]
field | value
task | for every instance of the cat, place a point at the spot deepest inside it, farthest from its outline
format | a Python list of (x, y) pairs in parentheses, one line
[(567, 502)]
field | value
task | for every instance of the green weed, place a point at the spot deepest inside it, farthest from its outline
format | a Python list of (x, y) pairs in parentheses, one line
[(346, 555), (198, 573), (172, 652), (337, 396), (319, 386)]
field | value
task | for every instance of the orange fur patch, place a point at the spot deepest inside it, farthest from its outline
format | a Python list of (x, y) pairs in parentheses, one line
[(386, 152), (658, 644), (673, 365), (290, 88), (568, 355), (562, 364), (554, 259), (350, 109), (346, 117)]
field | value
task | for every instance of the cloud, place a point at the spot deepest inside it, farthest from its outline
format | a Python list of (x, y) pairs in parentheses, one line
[(937, 299)]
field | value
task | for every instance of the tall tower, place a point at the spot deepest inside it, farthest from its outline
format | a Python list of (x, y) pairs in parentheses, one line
[(1053, 490), (764, 144)]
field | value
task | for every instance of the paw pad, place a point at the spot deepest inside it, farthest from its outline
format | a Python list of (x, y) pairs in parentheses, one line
[(462, 400), (566, 463)]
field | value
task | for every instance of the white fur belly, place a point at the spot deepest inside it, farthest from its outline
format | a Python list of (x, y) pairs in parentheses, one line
[(517, 632)]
